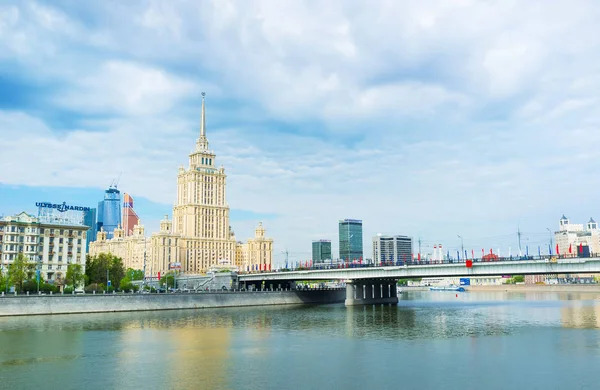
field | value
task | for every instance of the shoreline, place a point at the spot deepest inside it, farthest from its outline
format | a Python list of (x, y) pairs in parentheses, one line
[(108, 303), (539, 288)]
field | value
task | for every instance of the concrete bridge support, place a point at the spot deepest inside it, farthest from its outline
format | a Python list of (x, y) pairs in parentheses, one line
[(371, 291)]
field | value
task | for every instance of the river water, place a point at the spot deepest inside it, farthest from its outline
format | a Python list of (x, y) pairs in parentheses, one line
[(430, 340)]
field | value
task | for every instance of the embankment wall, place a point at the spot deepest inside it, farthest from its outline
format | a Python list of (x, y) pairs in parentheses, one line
[(100, 303)]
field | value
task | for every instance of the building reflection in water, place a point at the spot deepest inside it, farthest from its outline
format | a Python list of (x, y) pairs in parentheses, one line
[(581, 314)]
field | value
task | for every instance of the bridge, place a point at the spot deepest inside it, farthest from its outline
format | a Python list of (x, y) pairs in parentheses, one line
[(368, 285)]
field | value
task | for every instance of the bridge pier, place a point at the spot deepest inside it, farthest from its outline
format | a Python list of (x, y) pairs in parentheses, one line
[(370, 292)]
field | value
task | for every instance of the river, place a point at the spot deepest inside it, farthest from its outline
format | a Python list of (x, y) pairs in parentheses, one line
[(430, 340)]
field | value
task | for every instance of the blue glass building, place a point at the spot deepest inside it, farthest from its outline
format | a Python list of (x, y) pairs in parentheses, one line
[(351, 240), (109, 211), (89, 219), (321, 251)]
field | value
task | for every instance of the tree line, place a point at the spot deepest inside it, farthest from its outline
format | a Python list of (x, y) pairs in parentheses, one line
[(23, 276)]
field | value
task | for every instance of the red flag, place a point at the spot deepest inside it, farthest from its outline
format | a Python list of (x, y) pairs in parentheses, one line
[(557, 252), (580, 248), (419, 258), (570, 248), (159, 276)]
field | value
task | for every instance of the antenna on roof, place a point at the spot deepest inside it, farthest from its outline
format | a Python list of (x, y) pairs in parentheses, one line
[(115, 182), (119, 179)]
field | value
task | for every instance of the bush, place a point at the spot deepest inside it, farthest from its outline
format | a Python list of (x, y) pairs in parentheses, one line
[(68, 290), (94, 287), (31, 286), (48, 288)]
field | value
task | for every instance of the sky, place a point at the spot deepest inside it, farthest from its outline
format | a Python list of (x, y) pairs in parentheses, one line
[(433, 119)]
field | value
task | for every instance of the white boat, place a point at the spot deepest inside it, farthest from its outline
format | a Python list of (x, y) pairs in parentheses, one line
[(447, 288)]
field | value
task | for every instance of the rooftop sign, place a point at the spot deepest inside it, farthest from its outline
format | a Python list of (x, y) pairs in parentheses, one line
[(61, 207)]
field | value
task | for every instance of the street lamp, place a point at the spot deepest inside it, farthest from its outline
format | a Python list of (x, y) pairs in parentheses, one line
[(550, 247), (462, 246)]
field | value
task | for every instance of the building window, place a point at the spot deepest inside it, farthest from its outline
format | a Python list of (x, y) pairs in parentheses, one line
[(49, 266), (42, 230)]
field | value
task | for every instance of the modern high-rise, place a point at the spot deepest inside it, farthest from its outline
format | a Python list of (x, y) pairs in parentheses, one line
[(130, 217), (392, 249), (89, 220), (109, 211), (199, 237), (351, 240), (321, 251)]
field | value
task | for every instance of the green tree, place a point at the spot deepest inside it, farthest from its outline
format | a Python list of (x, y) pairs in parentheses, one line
[(4, 280), (519, 279), (20, 270), (75, 276), (97, 266), (169, 279), (134, 274), (126, 285)]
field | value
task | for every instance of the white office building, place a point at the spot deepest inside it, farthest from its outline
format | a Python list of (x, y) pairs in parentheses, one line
[(392, 249)]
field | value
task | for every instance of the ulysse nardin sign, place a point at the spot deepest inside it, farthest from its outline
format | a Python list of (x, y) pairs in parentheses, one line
[(61, 207)]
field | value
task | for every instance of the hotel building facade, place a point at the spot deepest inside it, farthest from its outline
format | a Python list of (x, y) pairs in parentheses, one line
[(199, 237), (51, 246)]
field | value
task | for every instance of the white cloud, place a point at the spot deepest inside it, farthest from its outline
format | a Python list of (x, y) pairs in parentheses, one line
[(127, 88), (426, 118)]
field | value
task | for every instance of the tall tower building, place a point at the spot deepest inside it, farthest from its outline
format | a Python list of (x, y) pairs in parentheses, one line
[(201, 213), (198, 238), (130, 217), (351, 240), (109, 211), (321, 251)]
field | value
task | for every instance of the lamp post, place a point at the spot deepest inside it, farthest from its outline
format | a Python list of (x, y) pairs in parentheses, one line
[(462, 245), (550, 247), (107, 280)]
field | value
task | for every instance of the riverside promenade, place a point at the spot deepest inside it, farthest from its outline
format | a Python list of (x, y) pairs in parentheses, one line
[(24, 305)]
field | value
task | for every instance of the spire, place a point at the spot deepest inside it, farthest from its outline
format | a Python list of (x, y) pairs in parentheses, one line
[(203, 120)]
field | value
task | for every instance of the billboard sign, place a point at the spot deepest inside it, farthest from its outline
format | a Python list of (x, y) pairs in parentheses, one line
[(61, 213), (174, 265), (465, 281)]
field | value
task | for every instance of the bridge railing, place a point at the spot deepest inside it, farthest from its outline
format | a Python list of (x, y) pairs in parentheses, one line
[(415, 262)]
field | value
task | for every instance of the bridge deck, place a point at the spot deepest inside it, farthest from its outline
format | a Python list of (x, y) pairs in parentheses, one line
[(518, 267)]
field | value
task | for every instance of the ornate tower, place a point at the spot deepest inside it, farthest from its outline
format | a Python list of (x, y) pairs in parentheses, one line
[(201, 213)]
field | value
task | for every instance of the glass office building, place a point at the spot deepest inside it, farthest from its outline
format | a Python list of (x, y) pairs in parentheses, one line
[(351, 240), (89, 220), (321, 251), (109, 211)]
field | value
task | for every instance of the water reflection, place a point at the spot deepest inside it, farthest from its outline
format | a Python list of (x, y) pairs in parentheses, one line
[(221, 348)]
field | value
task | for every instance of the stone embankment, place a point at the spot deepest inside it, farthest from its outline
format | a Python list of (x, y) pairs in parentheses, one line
[(541, 288), (100, 303)]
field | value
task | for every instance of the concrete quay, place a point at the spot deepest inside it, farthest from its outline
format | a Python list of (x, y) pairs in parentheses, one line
[(101, 303)]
